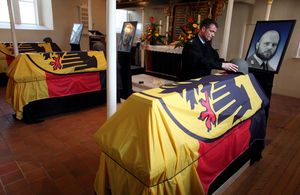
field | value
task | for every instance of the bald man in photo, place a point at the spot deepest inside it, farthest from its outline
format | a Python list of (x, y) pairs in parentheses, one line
[(265, 49)]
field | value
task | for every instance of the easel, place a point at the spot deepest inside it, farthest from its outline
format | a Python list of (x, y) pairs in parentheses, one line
[(124, 74), (265, 79), (75, 47)]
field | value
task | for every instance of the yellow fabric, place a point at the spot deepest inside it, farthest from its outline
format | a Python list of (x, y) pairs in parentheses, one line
[(8, 51), (120, 182), (143, 151), (23, 70), (20, 89), (145, 144), (20, 94), (39, 60), (34, 61), (27, 47), (27, 81), (3, 53), (46, 46)]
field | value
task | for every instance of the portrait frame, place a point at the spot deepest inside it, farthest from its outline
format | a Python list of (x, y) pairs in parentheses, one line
[(131, 34), (76, 33), (285, 29)]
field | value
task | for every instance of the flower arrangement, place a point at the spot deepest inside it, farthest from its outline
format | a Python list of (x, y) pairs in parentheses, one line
[(190, 30), (151, 34)]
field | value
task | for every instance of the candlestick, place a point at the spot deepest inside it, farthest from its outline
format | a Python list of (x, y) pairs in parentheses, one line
[(167, 24), (159, 27), (199, 17), (298, 51)]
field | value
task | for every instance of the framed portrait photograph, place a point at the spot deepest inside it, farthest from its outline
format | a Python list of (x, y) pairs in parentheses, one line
[(127, 36), (268, 45), (76, 33)]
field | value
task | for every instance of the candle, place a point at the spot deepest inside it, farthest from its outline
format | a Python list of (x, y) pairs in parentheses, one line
[(167, 24), (199, 16), (159, 28), (298, 51)]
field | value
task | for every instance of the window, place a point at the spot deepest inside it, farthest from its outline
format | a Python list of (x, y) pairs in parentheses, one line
[(4, 16), (29, 14), (121, 16), (28, 11), (124, 15)]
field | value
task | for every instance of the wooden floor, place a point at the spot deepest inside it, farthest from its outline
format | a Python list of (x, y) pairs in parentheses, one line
[(60, 156), (279, 170)]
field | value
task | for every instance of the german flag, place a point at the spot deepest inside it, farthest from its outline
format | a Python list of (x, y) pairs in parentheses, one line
[(7, 51), (30, 47), (37, 76), (178, 138), (6, 57)]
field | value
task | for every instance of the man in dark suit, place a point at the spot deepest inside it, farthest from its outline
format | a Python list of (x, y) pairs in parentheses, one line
[(265, 49), (199, 57)]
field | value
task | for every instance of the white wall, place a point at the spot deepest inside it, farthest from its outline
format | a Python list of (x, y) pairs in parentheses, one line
[(65, 13), (287, 80)]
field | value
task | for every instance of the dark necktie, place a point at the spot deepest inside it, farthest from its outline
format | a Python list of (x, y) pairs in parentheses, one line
[(265, 66)]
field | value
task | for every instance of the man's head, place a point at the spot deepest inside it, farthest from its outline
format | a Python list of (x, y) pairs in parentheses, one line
[(208, 28), (47, 40), (267, 45)]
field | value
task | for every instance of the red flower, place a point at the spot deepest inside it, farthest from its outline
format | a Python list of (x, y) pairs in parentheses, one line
[(151, 34), (191, 20), (151, 19), (190, 30)]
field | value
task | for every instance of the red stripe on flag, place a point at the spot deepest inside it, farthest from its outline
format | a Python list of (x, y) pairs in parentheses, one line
[(215, 157), (9, 59), (63, 85)]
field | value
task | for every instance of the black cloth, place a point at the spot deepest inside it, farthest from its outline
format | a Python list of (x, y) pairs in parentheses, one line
[(198, 60), (55, 47)]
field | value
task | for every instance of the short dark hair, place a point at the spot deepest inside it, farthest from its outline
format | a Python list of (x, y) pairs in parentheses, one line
[(47, 40), (207, 22)]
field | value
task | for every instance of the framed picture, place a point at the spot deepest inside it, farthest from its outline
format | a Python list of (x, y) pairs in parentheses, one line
[(127, 36), (268, 45), (76, 34)]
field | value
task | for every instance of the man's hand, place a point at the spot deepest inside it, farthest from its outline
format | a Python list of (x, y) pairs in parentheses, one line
[(230, 66)]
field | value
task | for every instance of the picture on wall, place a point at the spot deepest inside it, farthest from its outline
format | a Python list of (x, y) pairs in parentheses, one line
[(127, 36), (268, 45)]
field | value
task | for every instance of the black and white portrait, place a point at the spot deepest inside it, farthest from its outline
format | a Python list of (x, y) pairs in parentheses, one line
[(268, 44), (127, 36), (265, 49)]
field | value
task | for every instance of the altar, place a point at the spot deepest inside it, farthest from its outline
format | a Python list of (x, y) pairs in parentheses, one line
[(162, 60)]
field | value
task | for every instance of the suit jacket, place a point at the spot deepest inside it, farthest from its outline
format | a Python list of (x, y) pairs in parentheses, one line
[(198, 60)]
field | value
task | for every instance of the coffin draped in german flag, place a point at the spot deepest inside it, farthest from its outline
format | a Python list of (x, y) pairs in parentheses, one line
[(38, 76), (178, 138), (7, 51), (6, 57)]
